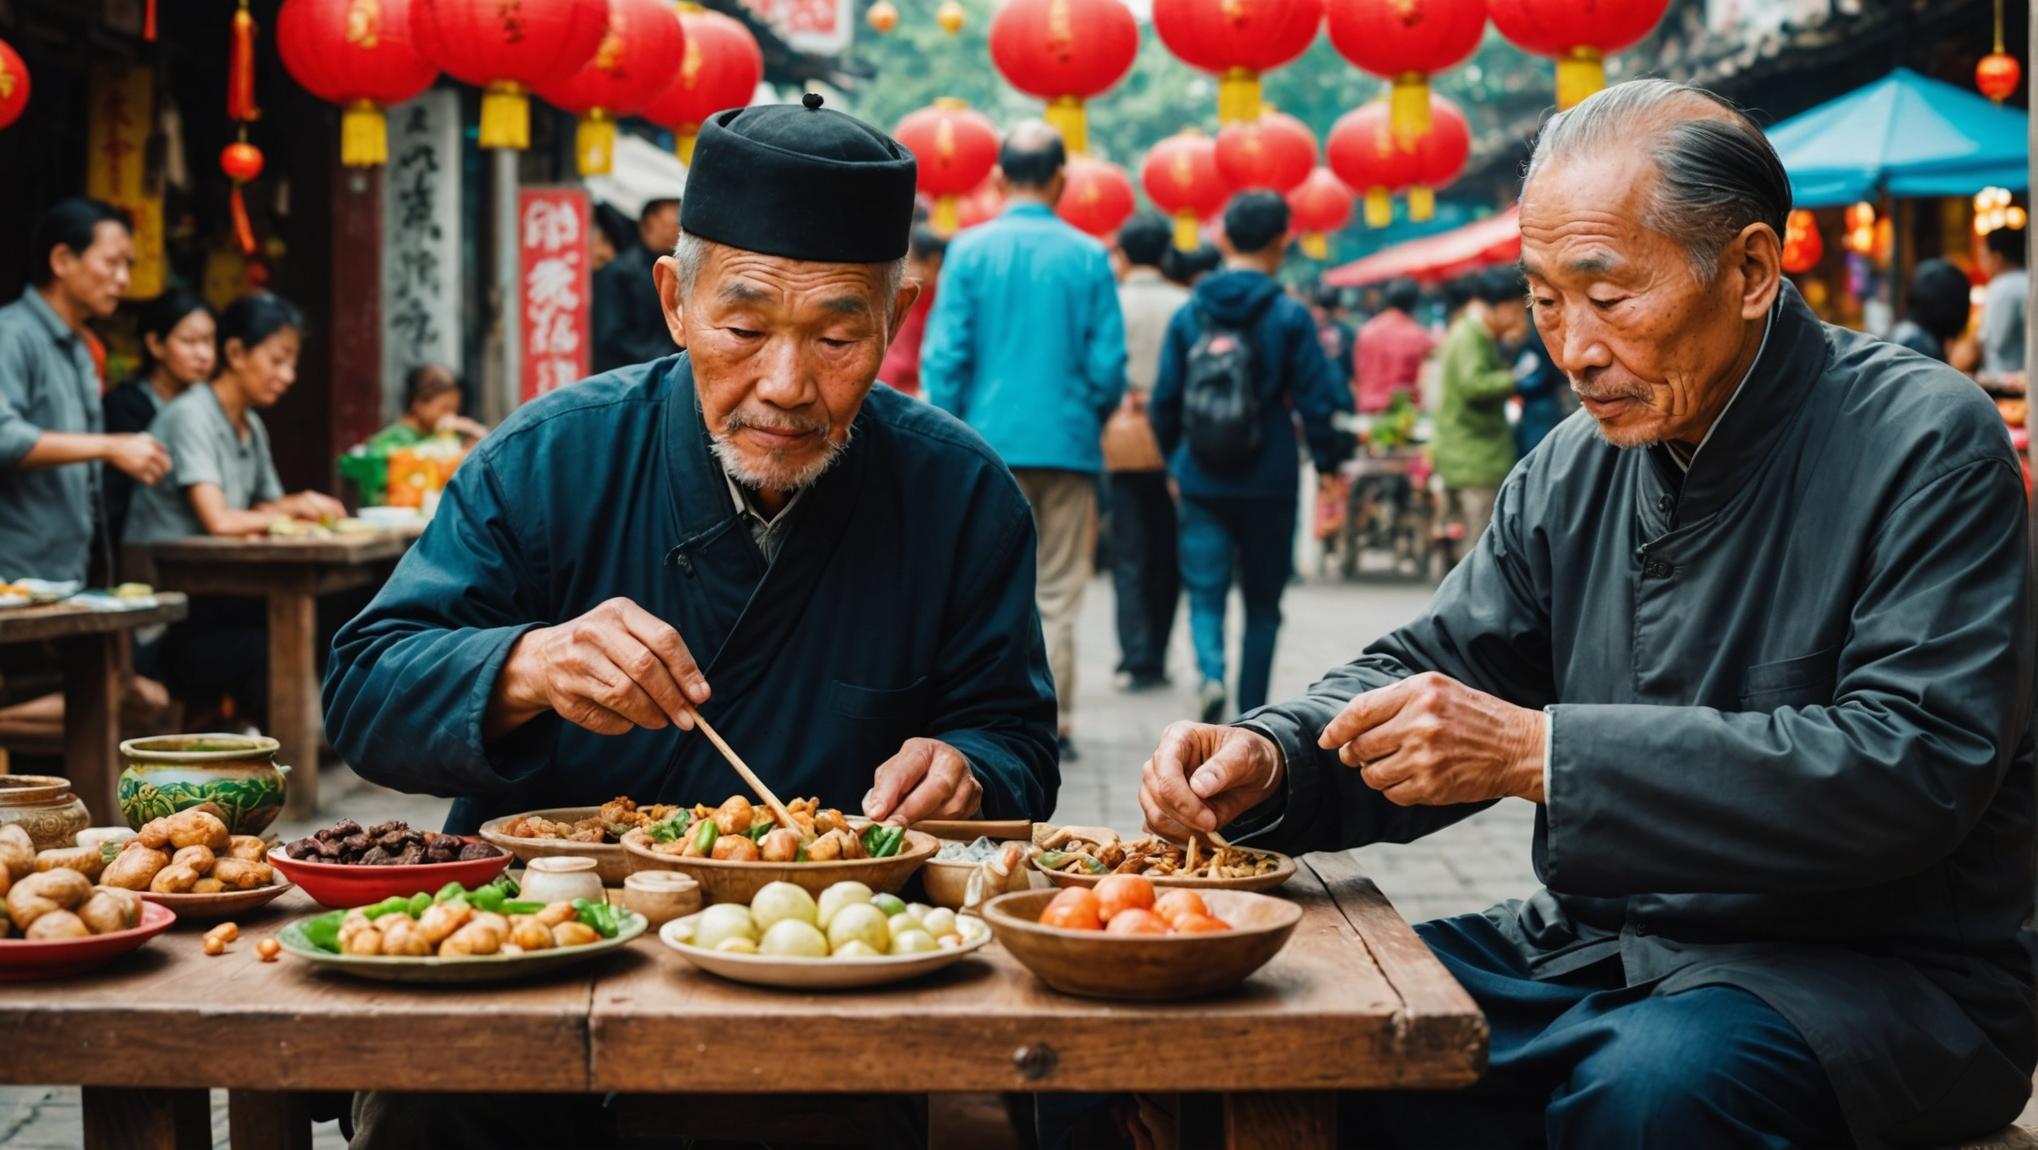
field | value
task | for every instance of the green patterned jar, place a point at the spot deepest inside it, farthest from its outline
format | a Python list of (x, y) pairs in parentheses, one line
[(237, 774)]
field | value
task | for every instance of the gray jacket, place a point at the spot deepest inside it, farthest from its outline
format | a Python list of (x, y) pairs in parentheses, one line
[(47, 383), (1790, 709)]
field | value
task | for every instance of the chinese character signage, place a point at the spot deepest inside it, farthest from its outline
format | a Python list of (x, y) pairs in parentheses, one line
[(123, 103), (815, 27), (421, 284), (553, 297)]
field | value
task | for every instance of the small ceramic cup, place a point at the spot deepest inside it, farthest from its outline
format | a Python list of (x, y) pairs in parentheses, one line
[(562, 878), (661, 895)]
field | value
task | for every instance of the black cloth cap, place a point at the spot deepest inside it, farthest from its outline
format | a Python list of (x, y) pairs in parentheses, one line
[(800, 181)]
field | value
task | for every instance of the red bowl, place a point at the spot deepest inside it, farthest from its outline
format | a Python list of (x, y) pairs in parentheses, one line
[(342, 885), (22, 960)]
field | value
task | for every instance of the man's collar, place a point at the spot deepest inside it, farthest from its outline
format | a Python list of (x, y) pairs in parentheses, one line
[(41, 309), (1685, 460), (744, 507), (1142, 274), (1027, 208)]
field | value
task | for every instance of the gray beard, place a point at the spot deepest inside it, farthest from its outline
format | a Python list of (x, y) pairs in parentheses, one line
[(776, 474)]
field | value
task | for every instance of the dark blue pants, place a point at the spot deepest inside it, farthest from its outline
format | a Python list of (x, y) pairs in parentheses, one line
[(1584, 1061), (1146, 573), (1254, 538)]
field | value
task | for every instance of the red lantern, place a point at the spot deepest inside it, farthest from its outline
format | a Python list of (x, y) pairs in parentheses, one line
[(1997, 75), (13, 85), (1098, 197), (506, 48), (1440, 156), (1802, 244), (1407, 42), (357, 54), (638, 58), (1275, 151), (1237, 40), (950, 16), (242, 162), (883, 16), (1579, 36), (1322, 204), (720, 70), (953, 148), (1362, 151), (1180, 176), (1064, 52)]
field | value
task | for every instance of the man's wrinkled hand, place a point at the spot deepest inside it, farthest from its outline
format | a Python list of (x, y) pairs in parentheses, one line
[(613, 669), (1429, 740), (927, 779), (1201, 777)]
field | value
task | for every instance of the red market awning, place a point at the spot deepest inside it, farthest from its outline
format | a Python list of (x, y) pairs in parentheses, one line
[(1495, 239)]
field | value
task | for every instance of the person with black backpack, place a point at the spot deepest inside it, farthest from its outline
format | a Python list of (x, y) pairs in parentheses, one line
[(1241, 363)]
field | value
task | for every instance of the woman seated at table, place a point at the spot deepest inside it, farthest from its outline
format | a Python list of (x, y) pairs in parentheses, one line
[(431, 408), (177, 331), (222, 481)]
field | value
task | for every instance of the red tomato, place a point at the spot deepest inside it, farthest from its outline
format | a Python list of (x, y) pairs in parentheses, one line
[(1199, 924), (1073, 909), (1134, 920), (1122, 892), (1178, 902)]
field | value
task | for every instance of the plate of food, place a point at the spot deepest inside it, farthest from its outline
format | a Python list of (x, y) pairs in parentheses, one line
[(212, 874), (736, 849), (849, 937), (14, 595), (589, 832), (58, 923), (460, 935), (946, 878), (1126, 939), (1082, 856), (347, 865)]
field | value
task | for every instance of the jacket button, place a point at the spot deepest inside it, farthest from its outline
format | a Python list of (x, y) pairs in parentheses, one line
[(1666, 503), (1657, 569)]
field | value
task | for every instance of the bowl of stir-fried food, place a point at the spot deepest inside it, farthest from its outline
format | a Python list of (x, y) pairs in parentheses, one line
[(1081, 856), (588, 832), (735, 849)]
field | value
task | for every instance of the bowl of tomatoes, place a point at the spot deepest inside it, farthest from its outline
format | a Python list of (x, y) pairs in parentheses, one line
[(1124, 939)]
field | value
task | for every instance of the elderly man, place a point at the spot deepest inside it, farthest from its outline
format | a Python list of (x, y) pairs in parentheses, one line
[(1755, 638), (840, 579)]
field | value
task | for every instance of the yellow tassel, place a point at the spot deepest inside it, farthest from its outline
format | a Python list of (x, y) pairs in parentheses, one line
[(1238, 96), (364, 135), (1408, 109), (1379, 207), (1066, 114), (947, 217), (505, 117), (1186, 237), (1316, 245), (682, 142), (595, 143), (1579, 75), (1422, 202)]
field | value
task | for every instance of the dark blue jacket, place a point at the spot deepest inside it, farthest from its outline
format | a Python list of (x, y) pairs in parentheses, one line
[(1293, 376), (900, 605), (1540, 383)]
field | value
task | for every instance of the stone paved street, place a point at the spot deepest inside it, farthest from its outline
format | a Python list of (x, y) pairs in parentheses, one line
[(1465, 868)]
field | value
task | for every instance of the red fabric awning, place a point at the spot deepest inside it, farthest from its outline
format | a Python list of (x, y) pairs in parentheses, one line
[(1495, 239)]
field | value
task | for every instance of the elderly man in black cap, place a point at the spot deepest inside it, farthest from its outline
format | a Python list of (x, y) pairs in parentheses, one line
[(839, 578)]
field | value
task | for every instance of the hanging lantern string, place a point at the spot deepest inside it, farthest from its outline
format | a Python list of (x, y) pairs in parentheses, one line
[(1999, 25)]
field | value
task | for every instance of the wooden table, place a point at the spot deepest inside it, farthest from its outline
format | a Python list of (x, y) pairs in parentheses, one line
[(290, 573), (1355, 1002), (88, 641)]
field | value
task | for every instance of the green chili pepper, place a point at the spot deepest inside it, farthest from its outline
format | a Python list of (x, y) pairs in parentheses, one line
[(671, 829), (704, 838), (323, 932), (882, 842), (757, 831), (521, 908), (418, 903), (509, 886), (488, 898), (449, 892), (392, 905), (1051, 860), (599, 915)]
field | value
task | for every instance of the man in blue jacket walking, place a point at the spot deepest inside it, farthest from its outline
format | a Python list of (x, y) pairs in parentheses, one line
[(1239, 515), (1027, 346)]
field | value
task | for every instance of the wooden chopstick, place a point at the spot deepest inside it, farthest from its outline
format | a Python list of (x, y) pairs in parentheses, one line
[(785, 817)]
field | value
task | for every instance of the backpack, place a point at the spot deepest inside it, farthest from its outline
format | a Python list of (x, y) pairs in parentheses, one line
[(1220, 404)]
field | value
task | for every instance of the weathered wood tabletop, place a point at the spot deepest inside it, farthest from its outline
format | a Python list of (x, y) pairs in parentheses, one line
[(88, 641), (1355, 1002), (289, 573)]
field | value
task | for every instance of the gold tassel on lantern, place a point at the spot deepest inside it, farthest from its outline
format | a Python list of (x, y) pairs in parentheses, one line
[(1187, 238), (947, 215), (1408, 108), (1238, 96), (1379, 207), (594, 142), (364, 135), (1422, 202), (1066, 114), (240, 69), (1579, 75), (1316, 245), (505, 116)]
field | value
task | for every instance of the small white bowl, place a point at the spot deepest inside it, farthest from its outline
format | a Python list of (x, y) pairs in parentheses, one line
[(562, 878)]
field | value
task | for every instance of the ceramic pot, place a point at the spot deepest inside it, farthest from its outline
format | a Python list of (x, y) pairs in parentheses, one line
[(661, 895), (44, 806), (237, 774), (562, 879)]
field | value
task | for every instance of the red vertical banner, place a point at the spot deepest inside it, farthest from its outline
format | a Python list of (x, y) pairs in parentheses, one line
[(552, 228)]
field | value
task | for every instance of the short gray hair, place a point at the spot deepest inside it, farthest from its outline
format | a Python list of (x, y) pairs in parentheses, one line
[(692, 254), (1716, 172)]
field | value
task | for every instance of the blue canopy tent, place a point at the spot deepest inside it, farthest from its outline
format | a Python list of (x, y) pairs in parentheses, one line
[(1905, 135)]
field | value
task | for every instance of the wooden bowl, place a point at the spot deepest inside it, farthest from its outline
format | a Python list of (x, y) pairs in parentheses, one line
[(947, 883), (343, 885), (726, 881), (1144, 967), (1256, 883), (225, 904), (608, 858), (969, 830)]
